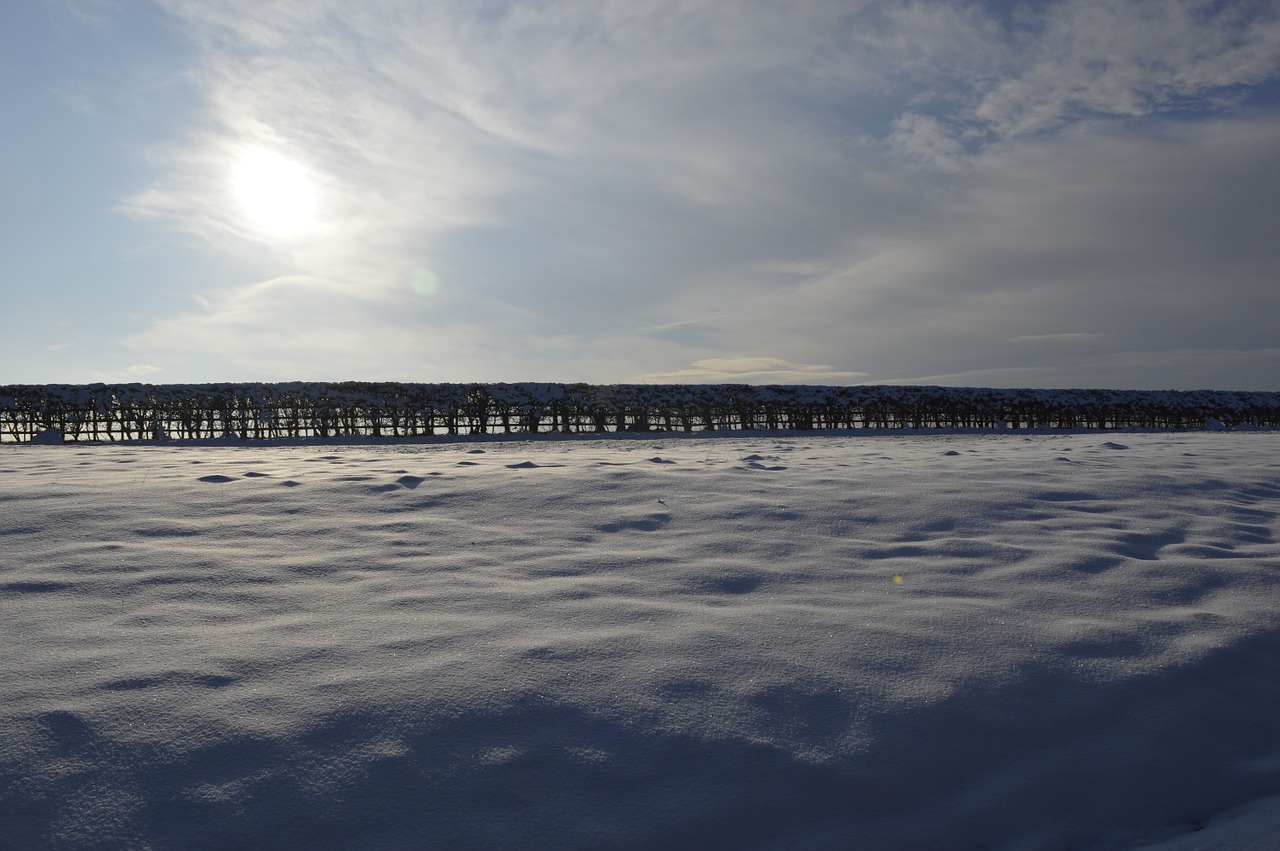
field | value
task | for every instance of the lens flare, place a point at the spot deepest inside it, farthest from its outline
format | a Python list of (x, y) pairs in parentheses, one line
[(425, 283)]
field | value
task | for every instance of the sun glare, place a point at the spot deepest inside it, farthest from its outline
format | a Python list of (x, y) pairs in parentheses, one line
[(277, 195)]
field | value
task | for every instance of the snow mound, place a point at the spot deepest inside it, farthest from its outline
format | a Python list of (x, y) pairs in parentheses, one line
[(48, 437)]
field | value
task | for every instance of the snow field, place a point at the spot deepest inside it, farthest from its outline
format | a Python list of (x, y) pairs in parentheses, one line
[(1047, 642)]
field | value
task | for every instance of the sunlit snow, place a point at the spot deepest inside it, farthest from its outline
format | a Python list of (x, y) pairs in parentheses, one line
[(955, 642)]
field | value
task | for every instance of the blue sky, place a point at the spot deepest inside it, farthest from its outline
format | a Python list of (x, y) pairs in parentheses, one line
[(1043, 195)]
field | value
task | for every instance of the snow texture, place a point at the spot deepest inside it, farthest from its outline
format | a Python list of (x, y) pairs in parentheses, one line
[(956, 642)]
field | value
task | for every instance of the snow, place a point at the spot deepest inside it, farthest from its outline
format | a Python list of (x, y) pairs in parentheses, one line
[(918, 642)]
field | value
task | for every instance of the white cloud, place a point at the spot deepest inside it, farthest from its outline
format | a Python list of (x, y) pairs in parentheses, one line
[(613, 190), (126, 375), (755, 370), (1135, 243), (969, 80), (95, 14), (1131, 59), (307, 328), (1074, 338), (923, 139)]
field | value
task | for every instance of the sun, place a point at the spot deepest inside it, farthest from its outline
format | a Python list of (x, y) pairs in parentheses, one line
[(277, 195)]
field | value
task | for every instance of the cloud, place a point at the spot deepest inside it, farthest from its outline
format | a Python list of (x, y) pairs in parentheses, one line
[(1184, 369), (1134, 241), (844, 191), (924, 140), (308, 328), (972, 80), (756, 370), (1159, 369), (297, 327), (1071, 338), (1131, 59), (1008, 376), (96, 14), (126, 375)]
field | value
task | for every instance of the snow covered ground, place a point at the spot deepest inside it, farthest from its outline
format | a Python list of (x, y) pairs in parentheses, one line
[(920, 642)]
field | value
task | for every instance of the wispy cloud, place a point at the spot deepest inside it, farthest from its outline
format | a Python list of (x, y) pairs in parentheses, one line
[(608, 191), (1053, 64), (139, 371), (144, 369), (1070, 338), (756, 370), (1132, 59)]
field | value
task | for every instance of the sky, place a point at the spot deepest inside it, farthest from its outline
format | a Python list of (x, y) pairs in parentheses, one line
[(1060, 194)]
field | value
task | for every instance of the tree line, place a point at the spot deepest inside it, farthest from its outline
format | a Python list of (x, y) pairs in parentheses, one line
[(321, 410)]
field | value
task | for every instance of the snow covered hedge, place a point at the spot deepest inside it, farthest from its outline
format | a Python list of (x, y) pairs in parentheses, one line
[(110, 412)]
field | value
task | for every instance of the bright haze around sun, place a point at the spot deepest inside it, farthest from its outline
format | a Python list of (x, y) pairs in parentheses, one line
[(276, 195), (1063, 194)]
